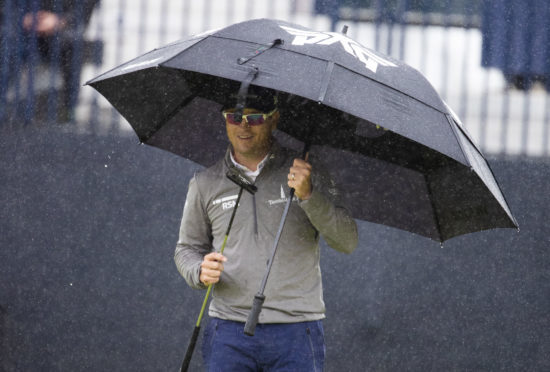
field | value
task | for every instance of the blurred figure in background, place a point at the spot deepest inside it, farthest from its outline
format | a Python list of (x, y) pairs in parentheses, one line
[(50, 32), (516, 40)]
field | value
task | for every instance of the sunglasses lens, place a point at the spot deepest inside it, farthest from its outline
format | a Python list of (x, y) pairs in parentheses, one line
[(230, 117), (255, 119)]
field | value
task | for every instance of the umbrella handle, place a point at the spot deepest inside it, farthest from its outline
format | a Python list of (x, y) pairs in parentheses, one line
[(254, 314)]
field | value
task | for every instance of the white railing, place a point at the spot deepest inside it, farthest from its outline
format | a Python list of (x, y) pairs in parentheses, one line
[(501, 120)]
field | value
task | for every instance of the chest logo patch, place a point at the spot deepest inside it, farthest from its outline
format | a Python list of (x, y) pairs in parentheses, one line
[(282, 199), (227, 202)]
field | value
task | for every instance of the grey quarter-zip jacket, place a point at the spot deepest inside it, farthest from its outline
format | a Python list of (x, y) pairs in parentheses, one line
[(294, 290)]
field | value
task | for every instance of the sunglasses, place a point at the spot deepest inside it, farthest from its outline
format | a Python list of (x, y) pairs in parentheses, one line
[(250, 119)]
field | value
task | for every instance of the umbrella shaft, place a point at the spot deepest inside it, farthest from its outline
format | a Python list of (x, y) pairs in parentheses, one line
[(276, 243), (259, 298)]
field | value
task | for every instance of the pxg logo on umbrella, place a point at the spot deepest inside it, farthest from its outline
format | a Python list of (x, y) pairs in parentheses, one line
[(371, 59)]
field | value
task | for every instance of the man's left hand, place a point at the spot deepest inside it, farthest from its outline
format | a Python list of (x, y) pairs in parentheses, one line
[(299, 177)]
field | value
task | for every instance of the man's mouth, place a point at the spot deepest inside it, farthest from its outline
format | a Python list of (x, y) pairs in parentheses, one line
[(245, 136)]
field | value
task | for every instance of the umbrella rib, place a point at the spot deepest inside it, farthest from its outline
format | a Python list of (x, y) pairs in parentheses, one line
[(169, 116), (452, 124), (507, 205), (436, 219), (326, 81)]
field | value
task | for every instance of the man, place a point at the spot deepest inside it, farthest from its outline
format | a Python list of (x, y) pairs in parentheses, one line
[(289, 335)]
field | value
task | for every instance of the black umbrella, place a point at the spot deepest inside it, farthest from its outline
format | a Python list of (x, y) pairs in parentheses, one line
[(401, 156)]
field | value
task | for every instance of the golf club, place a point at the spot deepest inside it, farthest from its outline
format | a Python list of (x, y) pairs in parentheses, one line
[(244, 184)]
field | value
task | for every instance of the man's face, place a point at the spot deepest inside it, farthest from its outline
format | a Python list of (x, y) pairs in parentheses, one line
[(251, 142)]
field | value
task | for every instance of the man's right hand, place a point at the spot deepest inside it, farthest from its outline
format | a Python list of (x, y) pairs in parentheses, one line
[(211, 268)]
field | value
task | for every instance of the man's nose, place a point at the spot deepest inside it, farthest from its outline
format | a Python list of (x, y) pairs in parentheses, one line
[(244, 122)]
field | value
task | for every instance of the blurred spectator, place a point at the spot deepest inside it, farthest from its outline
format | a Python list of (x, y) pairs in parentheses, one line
[(45, 31), (516, 40)]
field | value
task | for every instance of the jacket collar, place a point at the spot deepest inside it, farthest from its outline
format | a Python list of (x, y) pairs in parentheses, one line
[(274, 155)]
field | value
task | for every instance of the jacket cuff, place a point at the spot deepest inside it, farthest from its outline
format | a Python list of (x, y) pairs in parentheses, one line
[(315, 202), (196, 278)]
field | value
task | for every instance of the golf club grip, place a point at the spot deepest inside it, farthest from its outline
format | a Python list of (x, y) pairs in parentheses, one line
[(254, 314), (190, 349)]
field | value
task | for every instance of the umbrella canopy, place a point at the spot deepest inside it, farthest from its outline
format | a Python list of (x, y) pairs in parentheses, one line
[(401, 156)]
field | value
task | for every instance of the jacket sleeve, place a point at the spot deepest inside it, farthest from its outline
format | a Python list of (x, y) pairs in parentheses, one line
[(327, 214), (195, 237)]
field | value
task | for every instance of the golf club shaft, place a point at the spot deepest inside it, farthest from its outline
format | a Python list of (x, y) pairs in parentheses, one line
[(259, 298), (195, 335)]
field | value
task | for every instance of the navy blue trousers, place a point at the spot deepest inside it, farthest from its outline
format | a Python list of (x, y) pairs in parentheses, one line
[(274, 347)]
